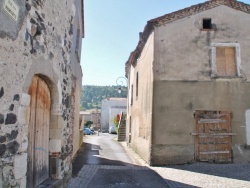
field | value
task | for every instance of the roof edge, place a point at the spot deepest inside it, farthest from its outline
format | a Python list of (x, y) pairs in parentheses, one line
[(179, 14)]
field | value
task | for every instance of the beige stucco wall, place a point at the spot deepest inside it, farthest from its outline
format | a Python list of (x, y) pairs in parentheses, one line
[(174, 105), (77, 71), (77, 136), (141, 110), (183, 51), (183, 55)]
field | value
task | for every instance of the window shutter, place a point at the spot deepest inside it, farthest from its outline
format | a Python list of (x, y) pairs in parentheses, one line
[(221, 61), (225, 61), (230, 61)]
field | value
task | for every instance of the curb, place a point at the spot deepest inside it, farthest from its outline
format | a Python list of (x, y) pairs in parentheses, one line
[(135, 158)]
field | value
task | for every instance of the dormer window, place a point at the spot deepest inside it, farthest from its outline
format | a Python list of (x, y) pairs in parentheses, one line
[(207, 23)]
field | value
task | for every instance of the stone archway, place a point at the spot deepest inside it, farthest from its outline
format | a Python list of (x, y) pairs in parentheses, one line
[(56, 124)]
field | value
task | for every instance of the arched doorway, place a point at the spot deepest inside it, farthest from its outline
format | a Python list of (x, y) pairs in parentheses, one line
[(38, 149)]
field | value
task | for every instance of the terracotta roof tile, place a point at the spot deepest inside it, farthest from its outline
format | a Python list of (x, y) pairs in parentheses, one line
[(199, 8)]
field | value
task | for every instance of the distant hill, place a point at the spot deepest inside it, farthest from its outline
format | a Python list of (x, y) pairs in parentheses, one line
[(93, 95)]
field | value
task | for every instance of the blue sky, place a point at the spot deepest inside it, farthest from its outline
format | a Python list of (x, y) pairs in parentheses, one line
[(112, 32)]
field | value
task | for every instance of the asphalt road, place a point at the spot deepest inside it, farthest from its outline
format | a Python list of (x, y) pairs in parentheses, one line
[(100, 150), (104, 163), (105, 150)]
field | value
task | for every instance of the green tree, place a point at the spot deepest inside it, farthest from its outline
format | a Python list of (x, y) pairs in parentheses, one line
[(93, 95), (88, 124)]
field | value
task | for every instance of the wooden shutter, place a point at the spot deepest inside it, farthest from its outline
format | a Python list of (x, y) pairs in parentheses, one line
[(213, 136), (225, 61)]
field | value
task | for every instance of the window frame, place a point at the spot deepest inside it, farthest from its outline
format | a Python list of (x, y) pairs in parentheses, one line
[(132, 92), (207, 29), (77, 41), (236, 46)]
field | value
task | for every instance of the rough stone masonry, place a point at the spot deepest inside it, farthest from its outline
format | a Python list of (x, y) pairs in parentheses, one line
[(35, 39)]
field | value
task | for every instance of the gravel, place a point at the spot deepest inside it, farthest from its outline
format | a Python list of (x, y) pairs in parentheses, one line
[(206, 175)]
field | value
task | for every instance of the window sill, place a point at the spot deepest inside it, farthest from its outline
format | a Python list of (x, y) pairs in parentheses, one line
[(207, 29), (227, 78)]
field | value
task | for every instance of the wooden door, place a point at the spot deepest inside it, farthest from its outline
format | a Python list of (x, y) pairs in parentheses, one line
[(213, 136), (38, 150)]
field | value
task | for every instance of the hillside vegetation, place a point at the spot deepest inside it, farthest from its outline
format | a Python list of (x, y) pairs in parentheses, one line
[(93, 95)]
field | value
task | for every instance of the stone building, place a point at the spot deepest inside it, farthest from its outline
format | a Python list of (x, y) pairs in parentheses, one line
[(109, 109), (40, 86), (189, 86), (94, 116), (96, 119), (86, 116)]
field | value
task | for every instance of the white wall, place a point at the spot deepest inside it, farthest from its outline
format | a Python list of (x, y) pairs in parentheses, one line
[(113, 112), (107, 104)]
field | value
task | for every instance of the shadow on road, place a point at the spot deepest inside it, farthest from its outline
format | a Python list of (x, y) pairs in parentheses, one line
[(104, 173), (117, 173), (88, 154)]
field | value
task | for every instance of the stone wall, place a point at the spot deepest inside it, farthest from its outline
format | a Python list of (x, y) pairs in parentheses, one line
[(96, 118), (39, 43)]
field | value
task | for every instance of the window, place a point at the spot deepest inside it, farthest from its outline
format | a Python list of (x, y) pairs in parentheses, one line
[(77, 40), (131, 102), (137, 85), (226, 60), (129, 135), (207, 23)]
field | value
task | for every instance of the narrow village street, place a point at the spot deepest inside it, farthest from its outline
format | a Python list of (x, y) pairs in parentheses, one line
[(124, 94), (104, 162)]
